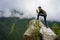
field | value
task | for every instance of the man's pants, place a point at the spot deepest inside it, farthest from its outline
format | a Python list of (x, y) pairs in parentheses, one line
[(43, 16)]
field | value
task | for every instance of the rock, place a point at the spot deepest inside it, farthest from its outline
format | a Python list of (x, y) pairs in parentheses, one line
[(47, 33), (36, 27)]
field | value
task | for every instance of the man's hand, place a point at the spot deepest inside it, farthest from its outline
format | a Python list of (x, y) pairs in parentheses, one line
[(36, 10)]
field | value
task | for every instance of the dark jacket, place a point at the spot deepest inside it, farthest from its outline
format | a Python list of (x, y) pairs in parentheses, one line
[(41, 11)]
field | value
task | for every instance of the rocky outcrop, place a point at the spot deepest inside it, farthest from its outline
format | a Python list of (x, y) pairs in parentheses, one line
[(38, 31)]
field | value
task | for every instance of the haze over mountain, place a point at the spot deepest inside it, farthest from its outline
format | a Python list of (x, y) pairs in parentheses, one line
[(28, 8)]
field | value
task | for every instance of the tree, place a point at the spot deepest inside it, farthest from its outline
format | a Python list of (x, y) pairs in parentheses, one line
[(55, 27)]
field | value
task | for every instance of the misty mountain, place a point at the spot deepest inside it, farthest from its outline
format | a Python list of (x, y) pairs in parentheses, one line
[(11, 13)]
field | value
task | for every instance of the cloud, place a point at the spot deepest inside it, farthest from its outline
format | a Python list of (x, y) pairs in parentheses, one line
[(7, 13), (28, 7)]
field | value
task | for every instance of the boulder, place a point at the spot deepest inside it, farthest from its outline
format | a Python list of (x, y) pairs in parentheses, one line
[(38, 31)]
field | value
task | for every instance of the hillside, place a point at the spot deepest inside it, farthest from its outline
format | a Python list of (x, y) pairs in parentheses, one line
[(13, 28)]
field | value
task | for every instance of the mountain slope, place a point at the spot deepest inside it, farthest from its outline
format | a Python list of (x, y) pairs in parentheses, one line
[(13, 28)]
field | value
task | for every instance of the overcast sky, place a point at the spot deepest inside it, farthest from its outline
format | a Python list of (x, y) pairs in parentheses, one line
[(28, 7)]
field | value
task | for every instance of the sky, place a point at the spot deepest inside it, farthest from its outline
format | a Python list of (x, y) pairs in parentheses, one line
[(28, 7)]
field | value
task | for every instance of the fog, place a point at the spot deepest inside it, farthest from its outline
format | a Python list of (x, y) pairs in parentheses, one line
[(28, 8)]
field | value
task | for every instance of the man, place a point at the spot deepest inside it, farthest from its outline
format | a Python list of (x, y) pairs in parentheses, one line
[(41, 12)]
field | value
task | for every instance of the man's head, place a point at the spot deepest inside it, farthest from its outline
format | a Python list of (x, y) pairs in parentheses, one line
[(39, 7)]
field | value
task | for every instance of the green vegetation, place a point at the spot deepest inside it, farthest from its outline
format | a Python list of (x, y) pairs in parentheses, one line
[(14, 28), (56, 29)]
